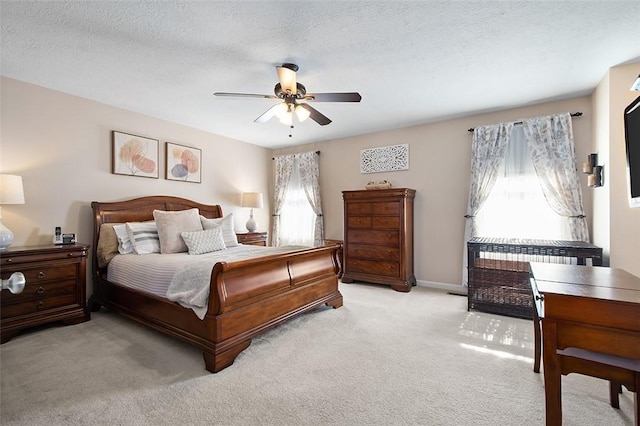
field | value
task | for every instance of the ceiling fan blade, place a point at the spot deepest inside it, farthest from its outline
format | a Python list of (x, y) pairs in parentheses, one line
[(316, 115), (266, 116), (245, 95), (287, 77), (334, 97)]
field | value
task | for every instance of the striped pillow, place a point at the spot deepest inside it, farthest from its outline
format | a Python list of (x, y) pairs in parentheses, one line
[(226, 225), (144, 237)]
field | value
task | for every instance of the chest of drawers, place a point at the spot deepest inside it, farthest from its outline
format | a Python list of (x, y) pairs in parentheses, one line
[(378, 237), (55, 287)]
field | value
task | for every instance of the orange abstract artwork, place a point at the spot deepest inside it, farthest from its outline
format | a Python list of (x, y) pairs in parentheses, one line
[(135, 155)]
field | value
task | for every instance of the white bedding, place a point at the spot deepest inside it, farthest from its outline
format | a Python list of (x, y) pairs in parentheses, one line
[(180, 277)]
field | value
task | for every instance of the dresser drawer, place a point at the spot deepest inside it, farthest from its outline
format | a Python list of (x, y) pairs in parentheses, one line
[(386, 222), (41, 273), (373, 252), (387, 208), (373, 237), (39, 291), (359, 208), (359, 222), (374, 267)]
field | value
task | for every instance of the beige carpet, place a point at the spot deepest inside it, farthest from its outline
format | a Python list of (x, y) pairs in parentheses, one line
[(384, 358)]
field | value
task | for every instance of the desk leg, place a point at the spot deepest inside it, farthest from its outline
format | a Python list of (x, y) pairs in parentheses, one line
[(552, 376), (537, 339)]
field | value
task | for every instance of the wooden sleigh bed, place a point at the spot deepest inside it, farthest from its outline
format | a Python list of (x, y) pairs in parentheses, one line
[(246, 297)]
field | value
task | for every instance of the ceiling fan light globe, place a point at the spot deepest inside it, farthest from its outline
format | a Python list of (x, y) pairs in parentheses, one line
[(281, 110), (287, 119), (302, 113)]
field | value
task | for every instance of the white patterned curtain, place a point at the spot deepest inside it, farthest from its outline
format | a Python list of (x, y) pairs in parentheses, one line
[(282, 168), (550, 141), (309, 170), (488, 150)]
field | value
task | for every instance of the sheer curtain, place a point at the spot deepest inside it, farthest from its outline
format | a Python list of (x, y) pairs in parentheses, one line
[(488, 150), (298, 219)]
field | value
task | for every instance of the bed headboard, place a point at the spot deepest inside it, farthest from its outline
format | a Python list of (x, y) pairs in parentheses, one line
[(140, 210)]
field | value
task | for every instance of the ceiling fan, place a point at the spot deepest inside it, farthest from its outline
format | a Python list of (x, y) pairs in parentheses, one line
[(292, 93)]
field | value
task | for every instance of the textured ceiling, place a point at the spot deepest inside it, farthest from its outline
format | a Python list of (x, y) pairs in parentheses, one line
[(413, 62)]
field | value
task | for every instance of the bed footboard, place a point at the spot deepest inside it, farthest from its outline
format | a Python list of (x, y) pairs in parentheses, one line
[(250, 297)]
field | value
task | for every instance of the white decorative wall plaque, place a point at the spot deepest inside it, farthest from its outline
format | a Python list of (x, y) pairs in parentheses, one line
[(384, 159)]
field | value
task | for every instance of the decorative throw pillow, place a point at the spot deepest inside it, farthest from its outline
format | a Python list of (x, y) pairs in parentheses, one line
[(124, 242), (107, 244), (226, 225), (171, 223), (201, 242), (144, 237)]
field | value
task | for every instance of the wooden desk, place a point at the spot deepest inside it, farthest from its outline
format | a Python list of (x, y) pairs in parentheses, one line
[(592, 308)]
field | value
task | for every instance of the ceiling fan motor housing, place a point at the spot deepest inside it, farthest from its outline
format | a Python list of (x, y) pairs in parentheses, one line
[(283, 94)]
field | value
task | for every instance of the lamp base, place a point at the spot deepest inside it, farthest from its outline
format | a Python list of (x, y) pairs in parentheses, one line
[(6, 236), (251, 224)]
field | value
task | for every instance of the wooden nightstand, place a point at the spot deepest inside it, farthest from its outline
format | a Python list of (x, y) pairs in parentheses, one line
[(253, 238), (55, 289)]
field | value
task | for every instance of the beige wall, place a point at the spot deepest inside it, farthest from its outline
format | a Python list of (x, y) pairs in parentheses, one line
[(61, 146), (623, 222), (440, 157)]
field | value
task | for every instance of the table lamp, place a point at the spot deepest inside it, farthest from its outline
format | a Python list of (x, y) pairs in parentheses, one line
[(253, 200), (11, 192)]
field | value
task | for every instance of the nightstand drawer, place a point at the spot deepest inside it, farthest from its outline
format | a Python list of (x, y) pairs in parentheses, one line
[(44, 273), (39, 291), (36, 298)]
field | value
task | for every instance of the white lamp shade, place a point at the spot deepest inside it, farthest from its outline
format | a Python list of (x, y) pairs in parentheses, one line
[(252, 199), (11, 190)]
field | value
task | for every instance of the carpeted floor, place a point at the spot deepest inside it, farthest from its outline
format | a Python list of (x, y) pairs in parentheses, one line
[(384, 358)]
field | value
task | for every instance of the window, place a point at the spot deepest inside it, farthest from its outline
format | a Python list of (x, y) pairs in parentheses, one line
[(516, 207), (297, 219)]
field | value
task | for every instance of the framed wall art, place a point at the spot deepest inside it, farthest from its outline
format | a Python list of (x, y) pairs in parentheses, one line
[(134, 155), (384, 159), (184, 163)]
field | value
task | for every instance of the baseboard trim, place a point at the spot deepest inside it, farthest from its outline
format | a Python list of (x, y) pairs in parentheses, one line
[(451, 288)]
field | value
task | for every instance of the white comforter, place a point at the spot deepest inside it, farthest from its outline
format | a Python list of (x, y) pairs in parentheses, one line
[(181, 277)]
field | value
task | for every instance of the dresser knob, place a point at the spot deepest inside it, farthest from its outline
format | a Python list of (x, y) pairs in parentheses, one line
[(40, 290), (40, 274), (539, 297), (40, 305)]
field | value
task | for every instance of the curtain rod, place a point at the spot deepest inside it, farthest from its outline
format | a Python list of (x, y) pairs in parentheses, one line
[(573, 114), (317, 152)]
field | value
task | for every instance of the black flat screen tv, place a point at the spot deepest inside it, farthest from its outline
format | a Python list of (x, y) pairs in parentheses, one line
[(632, 142)]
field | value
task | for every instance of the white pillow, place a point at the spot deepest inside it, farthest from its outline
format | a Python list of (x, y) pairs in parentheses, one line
[(144, 237), (226, 226), (171, 223), (124, 243), (200, 242)]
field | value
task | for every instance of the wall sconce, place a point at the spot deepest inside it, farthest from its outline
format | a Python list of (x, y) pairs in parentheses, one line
[(593, 172)]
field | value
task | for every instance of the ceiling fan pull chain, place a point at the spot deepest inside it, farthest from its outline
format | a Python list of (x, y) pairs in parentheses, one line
[(290, 130)]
